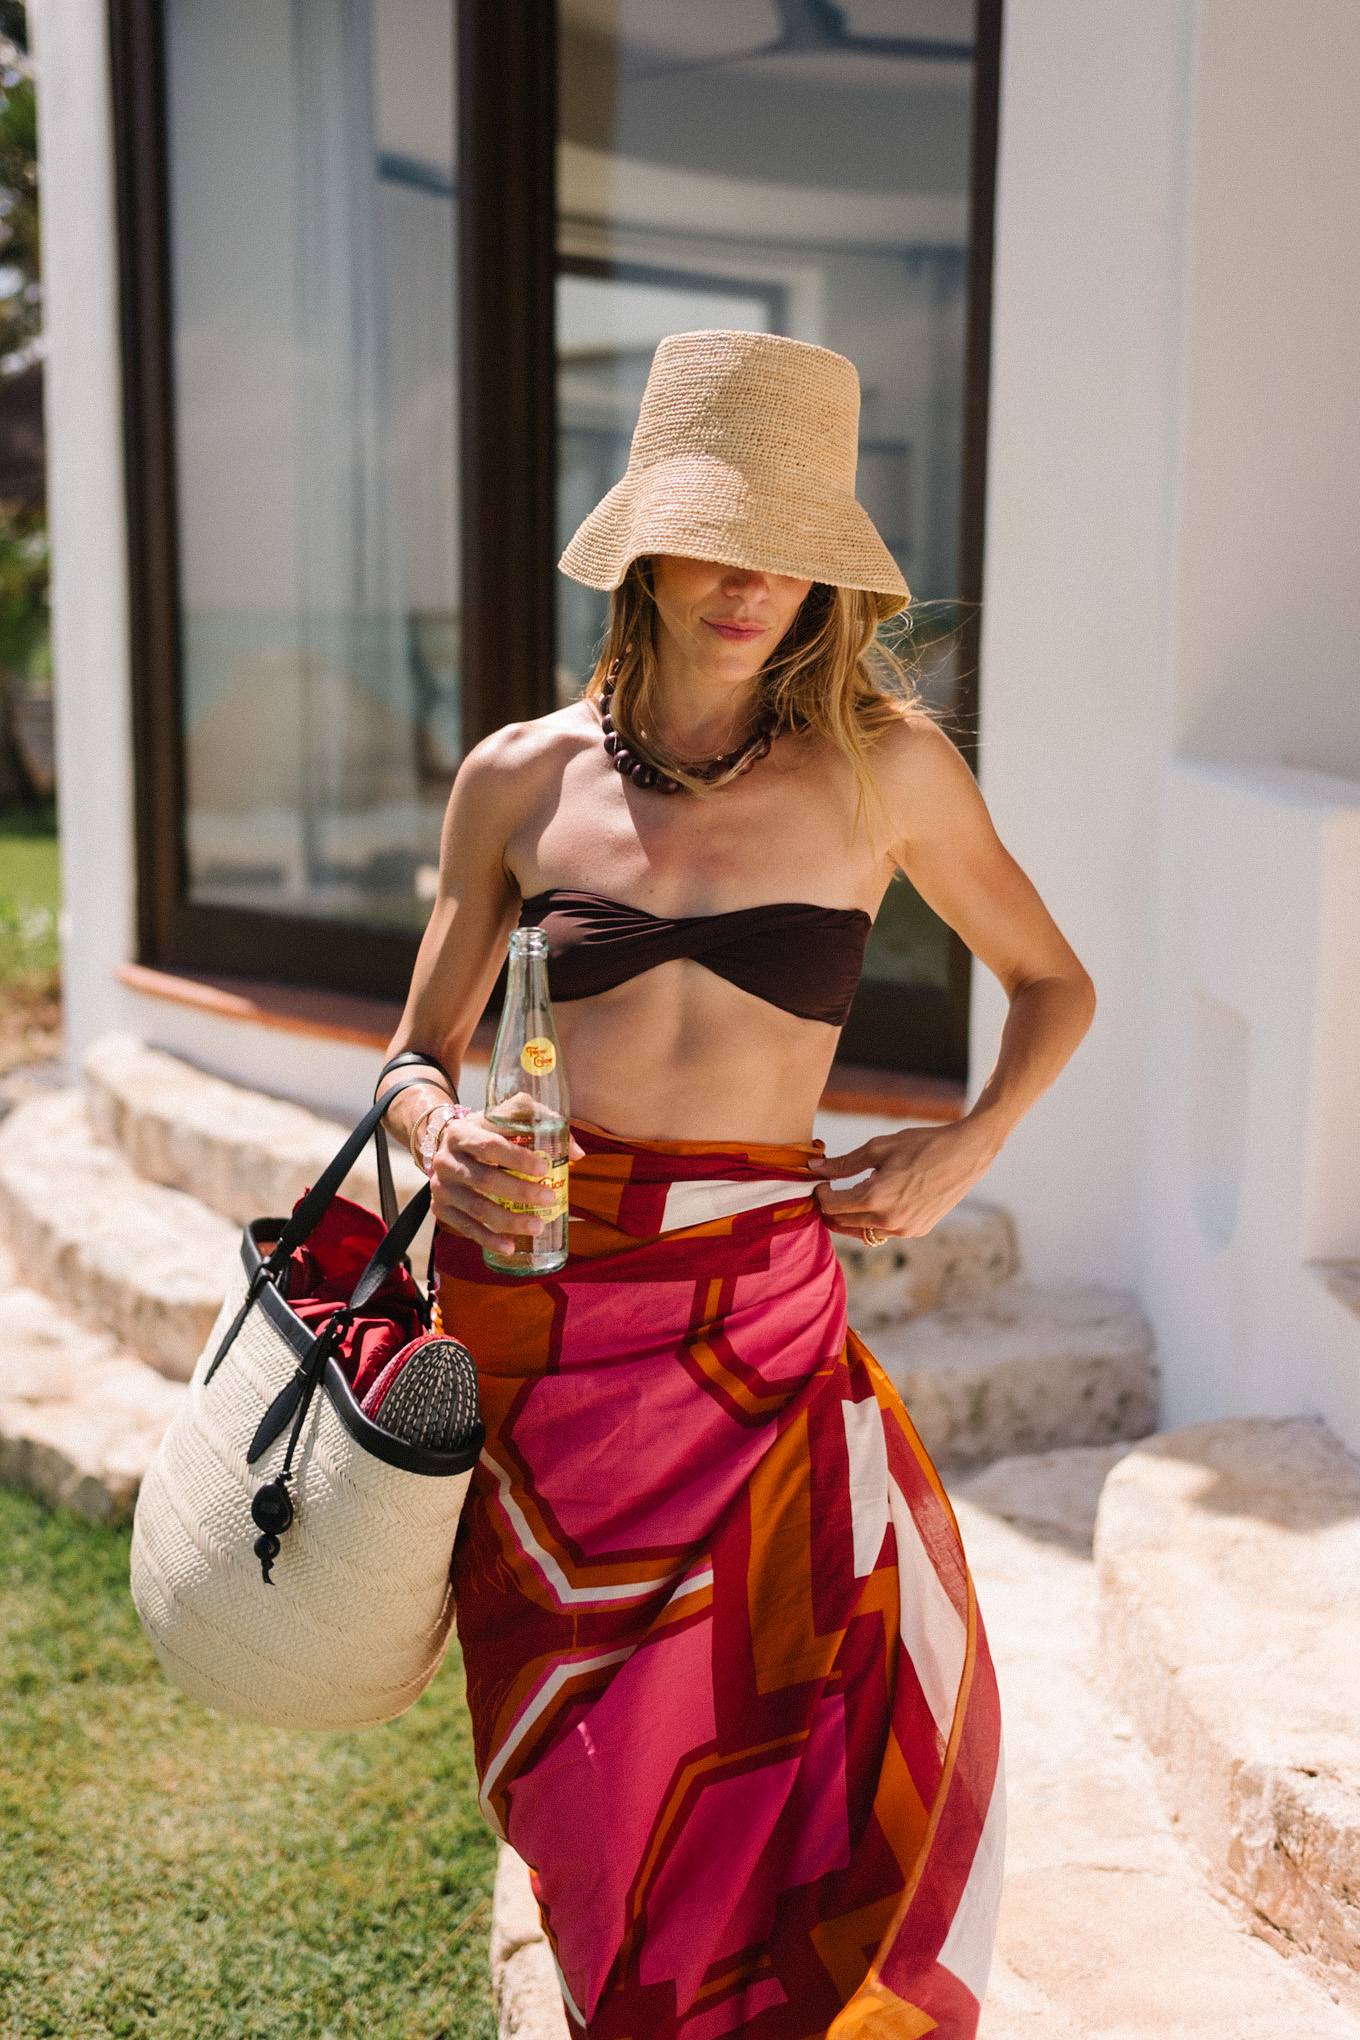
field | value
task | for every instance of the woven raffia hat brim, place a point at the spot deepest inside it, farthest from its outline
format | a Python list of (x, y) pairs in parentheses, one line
[(744, 454)]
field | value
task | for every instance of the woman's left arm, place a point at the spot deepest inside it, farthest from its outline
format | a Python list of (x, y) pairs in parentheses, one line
[(950, 851)]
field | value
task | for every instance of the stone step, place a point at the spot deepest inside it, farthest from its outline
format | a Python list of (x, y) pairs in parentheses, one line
[(238, 1151), (1228, 1557), (80, 1420), (523, 1977), (966, 1254), (1109, 1929), (1021, 1368), (147, 1264), (1050, 1495)]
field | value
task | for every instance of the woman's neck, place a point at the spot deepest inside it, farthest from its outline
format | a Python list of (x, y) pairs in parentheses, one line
[(700, 713)]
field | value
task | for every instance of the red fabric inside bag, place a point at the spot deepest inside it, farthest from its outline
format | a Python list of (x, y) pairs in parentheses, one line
[(322, 1274)]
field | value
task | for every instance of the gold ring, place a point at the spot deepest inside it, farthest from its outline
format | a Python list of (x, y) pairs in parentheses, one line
[(872, 1238)]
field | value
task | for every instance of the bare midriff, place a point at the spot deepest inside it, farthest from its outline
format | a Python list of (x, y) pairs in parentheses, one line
[(678, 1053)]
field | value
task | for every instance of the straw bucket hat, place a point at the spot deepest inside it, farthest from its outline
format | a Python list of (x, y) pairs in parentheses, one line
[(744, 453)]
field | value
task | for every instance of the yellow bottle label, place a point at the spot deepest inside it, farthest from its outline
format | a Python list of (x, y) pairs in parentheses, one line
[(538, 1056), (556, 1179)]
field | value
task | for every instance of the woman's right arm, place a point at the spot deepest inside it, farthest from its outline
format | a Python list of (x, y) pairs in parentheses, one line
[(461, 953)]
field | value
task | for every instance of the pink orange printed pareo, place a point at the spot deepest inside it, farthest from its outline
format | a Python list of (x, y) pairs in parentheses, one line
[(730, 1692)]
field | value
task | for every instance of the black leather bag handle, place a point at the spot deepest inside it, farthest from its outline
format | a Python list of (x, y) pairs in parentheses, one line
[(391, 1249), (272, 1507), (409, 1058), (319, 1198), (294, 1397), (313, 1208)]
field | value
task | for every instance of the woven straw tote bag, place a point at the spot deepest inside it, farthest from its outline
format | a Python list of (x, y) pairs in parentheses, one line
[(290, 1557)]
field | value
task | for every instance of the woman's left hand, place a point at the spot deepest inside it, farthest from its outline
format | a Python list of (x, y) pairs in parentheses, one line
[(916, 1176)]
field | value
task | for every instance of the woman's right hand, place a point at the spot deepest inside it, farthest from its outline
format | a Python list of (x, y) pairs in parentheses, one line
[(475, 1172)]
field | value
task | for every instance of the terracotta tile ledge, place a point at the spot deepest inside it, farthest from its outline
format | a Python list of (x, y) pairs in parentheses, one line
[(295, 1009), (370, 1023)]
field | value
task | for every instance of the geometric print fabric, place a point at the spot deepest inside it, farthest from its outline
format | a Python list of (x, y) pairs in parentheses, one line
[(731, 1696)]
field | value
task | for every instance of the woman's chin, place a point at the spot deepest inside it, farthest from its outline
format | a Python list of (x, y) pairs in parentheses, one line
[(733, 658)]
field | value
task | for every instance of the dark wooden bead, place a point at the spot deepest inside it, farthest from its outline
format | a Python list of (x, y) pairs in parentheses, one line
[(271, 1508), (714, 771)]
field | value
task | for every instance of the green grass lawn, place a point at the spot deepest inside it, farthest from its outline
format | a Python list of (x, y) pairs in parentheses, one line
[(167, 1872), (30, 894)]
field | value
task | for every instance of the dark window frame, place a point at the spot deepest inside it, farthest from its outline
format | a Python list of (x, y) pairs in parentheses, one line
[(935, 1022), (506, 276)]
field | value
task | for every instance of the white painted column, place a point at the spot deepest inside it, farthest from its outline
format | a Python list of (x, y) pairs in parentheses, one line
[(86, 508)]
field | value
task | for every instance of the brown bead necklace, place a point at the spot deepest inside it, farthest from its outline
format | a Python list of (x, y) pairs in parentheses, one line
[(716, 771)]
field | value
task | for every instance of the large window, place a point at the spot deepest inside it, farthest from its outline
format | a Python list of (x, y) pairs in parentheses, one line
[(393, 272), (311, 152)]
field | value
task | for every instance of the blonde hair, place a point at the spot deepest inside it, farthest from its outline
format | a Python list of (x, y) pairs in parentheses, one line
[(829, 673)]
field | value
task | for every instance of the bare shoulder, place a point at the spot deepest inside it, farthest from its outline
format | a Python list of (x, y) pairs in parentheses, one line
[(921, 773), (515, 761)]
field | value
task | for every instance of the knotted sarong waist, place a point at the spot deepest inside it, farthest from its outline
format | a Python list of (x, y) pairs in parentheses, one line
[(730, 1694)]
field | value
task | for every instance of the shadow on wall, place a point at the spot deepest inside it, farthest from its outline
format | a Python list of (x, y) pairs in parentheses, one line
[(1218, 1083), (1254, 1120)]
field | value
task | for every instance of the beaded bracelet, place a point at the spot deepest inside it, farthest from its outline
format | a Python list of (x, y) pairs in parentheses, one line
[(424, 1144)]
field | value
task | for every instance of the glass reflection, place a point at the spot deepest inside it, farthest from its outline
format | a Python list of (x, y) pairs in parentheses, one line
[(786, 166), (313, 249)]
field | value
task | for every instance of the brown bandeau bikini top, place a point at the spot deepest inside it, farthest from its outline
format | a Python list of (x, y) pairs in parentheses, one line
[(804, 959)]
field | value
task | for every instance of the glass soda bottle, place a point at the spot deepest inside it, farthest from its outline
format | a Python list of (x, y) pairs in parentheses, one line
[(527, 1100)]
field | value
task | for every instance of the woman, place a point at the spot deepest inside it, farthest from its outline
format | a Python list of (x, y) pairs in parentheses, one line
[(731, 1698)]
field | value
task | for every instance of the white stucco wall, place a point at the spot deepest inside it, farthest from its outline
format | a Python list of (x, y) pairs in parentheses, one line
[(1075, 712), (1268, 602), (1257, 903), (1252, 1169), (1173, 526)]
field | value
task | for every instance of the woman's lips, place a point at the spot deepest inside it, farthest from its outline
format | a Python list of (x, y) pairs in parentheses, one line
[(735, 633)]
